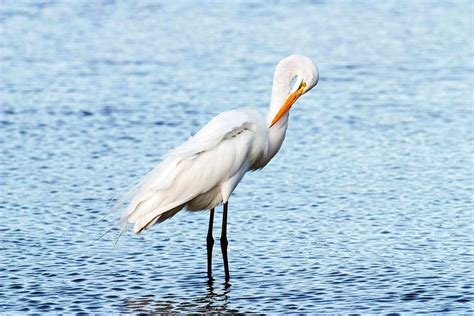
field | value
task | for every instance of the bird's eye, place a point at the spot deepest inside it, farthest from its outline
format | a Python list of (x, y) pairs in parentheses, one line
[(293, 82)]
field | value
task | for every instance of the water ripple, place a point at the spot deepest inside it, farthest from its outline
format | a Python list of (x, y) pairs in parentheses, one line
[(366, 209)]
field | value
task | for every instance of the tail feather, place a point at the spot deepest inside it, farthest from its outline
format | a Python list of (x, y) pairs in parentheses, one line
[(162, 217), (159, 214), (168, 214)]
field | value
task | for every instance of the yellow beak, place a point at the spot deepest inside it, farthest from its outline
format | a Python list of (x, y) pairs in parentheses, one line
[(289, 102)]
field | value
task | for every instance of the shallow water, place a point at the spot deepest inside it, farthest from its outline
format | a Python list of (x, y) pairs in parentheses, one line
[(367, 207)]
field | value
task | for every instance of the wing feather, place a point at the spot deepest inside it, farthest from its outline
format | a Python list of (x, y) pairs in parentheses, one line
[(212, 156)]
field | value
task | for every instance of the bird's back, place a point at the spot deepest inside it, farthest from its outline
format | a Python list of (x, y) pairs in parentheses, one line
[(203, 171)]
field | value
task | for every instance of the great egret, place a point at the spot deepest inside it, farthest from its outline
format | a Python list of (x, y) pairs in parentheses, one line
[(204, 171)]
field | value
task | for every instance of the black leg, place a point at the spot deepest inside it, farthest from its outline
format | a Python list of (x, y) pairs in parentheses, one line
[(210, 244), (224, 243)]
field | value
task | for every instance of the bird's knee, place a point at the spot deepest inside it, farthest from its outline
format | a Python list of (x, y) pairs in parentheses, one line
[(224, 243), (210, 241)]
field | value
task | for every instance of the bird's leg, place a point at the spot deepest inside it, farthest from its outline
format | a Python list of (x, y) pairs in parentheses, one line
[(224, 243), (210, 244)]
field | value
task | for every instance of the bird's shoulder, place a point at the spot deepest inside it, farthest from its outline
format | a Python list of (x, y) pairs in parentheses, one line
[(233, 122), (235, 118), (223, 126)]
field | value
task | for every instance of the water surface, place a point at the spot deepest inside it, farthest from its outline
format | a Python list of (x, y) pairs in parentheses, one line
[(367, 208)]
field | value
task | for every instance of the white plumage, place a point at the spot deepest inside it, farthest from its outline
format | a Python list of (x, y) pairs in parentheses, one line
[(204, 171)]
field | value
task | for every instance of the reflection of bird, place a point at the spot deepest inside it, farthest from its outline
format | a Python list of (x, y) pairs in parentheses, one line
[(202, 173)]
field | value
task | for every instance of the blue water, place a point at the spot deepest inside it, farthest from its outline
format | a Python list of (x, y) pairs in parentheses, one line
[(368, 207)]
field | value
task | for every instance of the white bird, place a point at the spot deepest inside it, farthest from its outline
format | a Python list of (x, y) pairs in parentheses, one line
[(203, 172)]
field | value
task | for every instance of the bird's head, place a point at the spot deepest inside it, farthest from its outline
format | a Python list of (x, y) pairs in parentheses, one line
[(294, 76)]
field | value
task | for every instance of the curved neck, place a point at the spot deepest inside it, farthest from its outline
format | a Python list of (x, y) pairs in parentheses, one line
[(276, 133), (280, 92), (276, 136)]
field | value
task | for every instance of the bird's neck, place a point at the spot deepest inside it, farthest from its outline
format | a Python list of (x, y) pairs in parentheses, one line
[(276, 133), (276, 136), (280, 92)]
